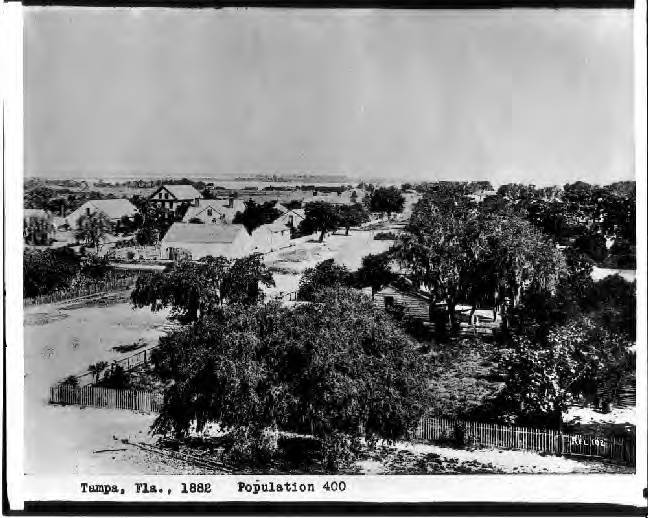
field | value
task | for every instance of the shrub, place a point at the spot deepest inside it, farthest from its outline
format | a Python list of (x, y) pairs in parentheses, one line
[(116, 378), (385, 236), (72, 381)]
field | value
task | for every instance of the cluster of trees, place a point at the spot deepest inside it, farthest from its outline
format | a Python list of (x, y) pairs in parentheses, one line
[(566, 338), (462, 255), (385, 200), (332, 369), (570, 346), (328, 370), (325, 217), (59, 201), (53, 269), (581, 215)]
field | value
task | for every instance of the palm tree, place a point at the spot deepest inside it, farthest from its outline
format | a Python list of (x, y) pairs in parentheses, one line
[(96, 369)]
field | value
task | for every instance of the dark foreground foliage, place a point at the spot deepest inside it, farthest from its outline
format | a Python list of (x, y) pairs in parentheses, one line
[(327, 369)]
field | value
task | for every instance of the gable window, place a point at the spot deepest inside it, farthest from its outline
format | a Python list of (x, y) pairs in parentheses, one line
[(166, 195), (209, 212)]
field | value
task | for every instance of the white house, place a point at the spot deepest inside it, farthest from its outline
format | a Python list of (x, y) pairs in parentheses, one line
[(270, 237), (194, 241), (172, 197), (292, 218), (210, 212), (229, 207), (114, 210)]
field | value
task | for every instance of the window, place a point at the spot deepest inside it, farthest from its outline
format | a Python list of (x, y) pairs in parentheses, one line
[(166, 196), (209, 212), (389, 302)]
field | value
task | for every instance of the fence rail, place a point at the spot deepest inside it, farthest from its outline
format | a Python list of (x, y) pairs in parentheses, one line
[(618, 449), (93, 289), (553, 442), (103, 397), (128, 363)]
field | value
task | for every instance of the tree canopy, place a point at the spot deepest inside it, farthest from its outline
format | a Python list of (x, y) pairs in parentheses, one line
[(375, 271), (321, 217), (352, 216), (47, 270), (256, 214), (461, 256), (326, 274), (327, 369), (92, 228), (386, 199), (196, 289)]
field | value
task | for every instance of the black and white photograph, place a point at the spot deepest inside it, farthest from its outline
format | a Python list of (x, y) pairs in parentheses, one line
[(289, 249)]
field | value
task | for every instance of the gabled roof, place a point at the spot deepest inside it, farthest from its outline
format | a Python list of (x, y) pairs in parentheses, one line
[(114, 209), (196, 233), (193, 212), (181, 192)]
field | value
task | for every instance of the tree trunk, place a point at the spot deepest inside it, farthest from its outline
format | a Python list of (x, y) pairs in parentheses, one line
[(321, 238), (472, 314), (454, 325), (347, 231)]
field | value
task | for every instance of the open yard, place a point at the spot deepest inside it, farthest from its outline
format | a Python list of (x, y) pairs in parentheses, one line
[(289, 263), (63, 339)]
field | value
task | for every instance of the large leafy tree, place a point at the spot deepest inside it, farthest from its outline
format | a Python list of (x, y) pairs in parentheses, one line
[(92, 228), (352, 216), (326, 274), (576, 360), (244, 279), (328, 369), (196, 289), (321, 217), (442, 249), (518, 257), (464, 256), (375, 271), (256, 214), (386, 199)]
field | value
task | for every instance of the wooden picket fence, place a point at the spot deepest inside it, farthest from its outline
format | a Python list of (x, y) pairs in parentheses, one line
[(103, 397), (118, 283), (552, 442)]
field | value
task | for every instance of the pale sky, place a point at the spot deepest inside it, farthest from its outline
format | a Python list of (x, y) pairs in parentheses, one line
[(542, 96)]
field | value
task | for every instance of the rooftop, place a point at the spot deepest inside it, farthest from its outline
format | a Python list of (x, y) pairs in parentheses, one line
[(115, 208), (183, 192), (201, 233)]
